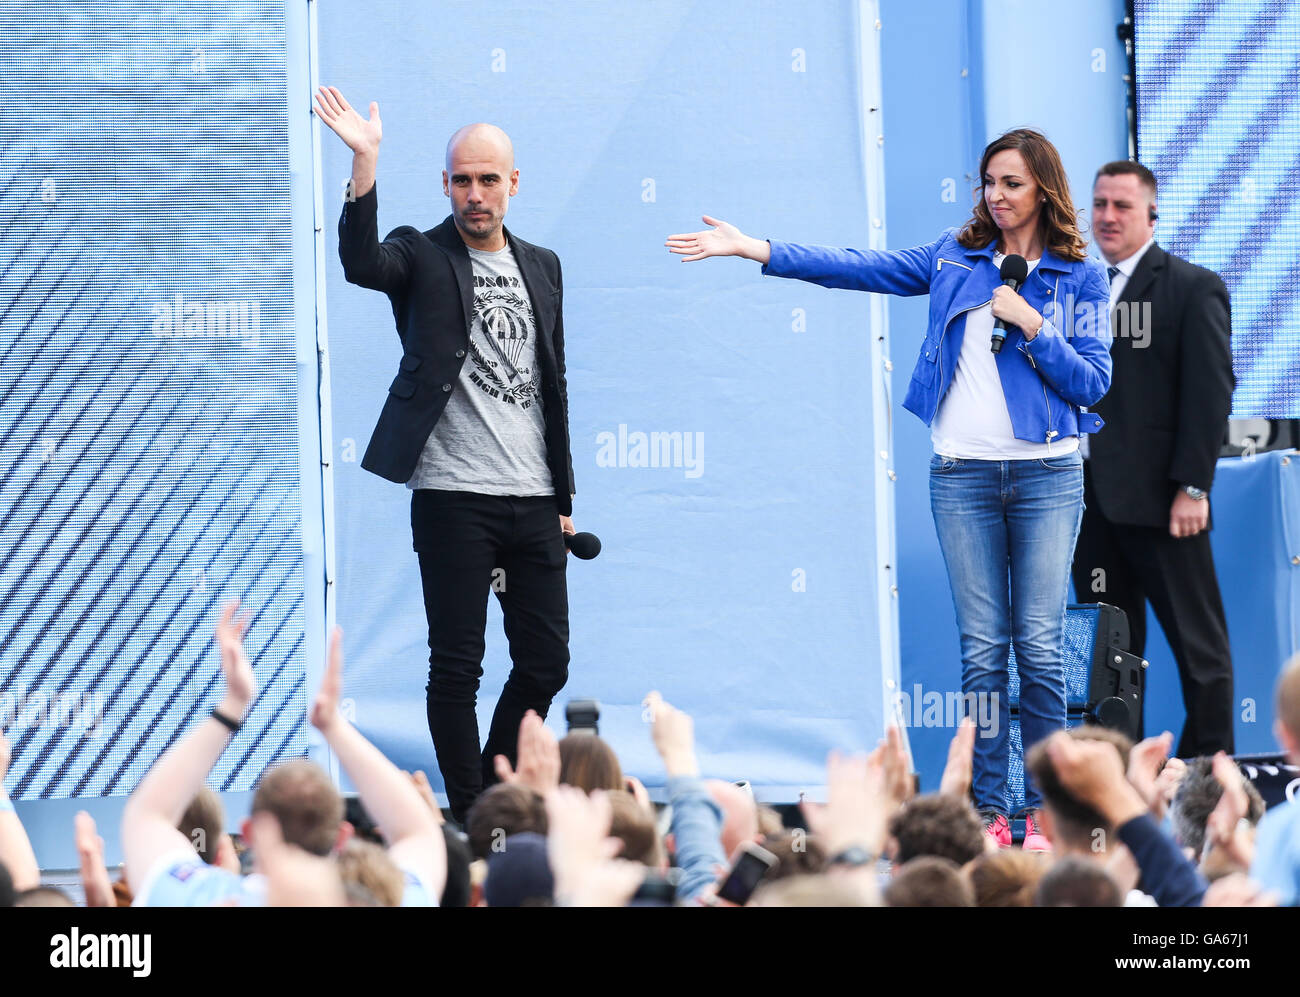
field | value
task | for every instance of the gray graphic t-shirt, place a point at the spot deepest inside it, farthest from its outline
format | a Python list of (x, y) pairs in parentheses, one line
[(491, 436)]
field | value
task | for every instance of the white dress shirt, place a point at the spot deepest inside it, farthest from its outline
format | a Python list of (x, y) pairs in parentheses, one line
[(1125, 268)]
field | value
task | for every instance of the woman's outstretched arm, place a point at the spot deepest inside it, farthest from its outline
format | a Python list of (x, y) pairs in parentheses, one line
[(904, 272)]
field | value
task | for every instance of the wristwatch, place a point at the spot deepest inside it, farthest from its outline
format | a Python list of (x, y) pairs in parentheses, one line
[(1196, 493), (853, 857)]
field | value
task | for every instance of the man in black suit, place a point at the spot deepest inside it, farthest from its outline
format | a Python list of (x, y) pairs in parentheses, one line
[(1148, 474), (476, 424)]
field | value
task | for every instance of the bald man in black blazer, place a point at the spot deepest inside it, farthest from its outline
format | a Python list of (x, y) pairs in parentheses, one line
[(476, 423), (1149, 473)]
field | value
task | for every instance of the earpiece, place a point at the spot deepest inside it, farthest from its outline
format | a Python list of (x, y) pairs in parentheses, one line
[(1153, 216)]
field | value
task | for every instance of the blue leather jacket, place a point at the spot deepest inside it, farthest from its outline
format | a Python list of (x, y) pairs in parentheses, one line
[(1044, 380)]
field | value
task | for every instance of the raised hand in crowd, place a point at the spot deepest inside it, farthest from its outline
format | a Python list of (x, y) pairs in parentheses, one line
[(1144, 769), (957, 773), (414, 836), (151, 814), (1094, 772), (15, 848), (421, 783), (95, 881), (855, 815), (856, 810), (673, 733), (1168, 780), (1227, 827), (583, 857), (696, 817), (537, 754), (890, 755)]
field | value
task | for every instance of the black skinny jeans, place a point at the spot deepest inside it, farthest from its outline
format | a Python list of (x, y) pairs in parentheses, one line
[(469, 544)]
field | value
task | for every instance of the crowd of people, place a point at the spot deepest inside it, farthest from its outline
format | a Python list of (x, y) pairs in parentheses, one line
[(564, 826)]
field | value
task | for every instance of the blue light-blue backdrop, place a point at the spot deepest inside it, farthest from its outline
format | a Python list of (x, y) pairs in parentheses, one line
[(747, 592)]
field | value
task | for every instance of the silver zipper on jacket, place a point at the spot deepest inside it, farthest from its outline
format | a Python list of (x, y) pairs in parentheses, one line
[(938, 359), (1041, 383), (939, 352), (1050, 431)]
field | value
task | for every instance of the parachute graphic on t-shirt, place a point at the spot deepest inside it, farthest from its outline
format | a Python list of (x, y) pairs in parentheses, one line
[(491, 437), (506, 332), (502, 323)]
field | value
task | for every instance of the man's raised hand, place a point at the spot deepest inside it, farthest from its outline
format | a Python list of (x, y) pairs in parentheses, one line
[(1144, 770), (956, 780), (1223, 825), (421, 783), (857, 804), (1093, 772), (325, 707), (538, 754), (723, 239), (1168, 781), (360, 135), (94, 874), (673, 733), (892, 759), (581, 853), (241, 687)]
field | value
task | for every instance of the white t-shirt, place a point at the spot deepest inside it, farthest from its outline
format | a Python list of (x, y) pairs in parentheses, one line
[(491, 437), (182, 879), (973, 421)]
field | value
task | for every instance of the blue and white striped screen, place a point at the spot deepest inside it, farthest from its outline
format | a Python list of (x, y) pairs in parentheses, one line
[(1218, 108), (148, 392)]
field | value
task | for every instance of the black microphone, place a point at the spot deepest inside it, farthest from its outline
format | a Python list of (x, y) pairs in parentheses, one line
[(583, 545), (1013, 273)]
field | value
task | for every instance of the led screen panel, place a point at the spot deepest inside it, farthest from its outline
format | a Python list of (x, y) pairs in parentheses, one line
[(149, 411), (1218, 109)]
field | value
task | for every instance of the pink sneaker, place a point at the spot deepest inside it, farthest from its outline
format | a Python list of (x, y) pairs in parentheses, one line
[(997, 827), (1035, 840)]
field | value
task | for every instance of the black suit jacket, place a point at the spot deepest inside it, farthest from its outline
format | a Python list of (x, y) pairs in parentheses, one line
[(428, 279), (1167, 409)]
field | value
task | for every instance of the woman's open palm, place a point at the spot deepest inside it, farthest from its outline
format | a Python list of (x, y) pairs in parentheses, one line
[(724, 239)]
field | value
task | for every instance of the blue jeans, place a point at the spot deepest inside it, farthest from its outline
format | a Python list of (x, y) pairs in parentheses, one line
[(1007, 530)]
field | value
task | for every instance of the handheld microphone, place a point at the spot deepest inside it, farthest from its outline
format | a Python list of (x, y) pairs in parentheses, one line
[(583, 545), (1013, 272)]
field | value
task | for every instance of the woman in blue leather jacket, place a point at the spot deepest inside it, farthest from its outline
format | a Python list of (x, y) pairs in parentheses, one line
[(1006, 478)]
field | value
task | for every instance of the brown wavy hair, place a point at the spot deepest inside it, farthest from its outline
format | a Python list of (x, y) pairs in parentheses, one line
[(1056, 222)]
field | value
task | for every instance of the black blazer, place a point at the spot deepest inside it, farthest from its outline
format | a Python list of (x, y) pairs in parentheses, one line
[(1167, 409), (428, 279)]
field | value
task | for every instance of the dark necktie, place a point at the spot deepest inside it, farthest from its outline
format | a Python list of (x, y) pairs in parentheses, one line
[(1111, 272)]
